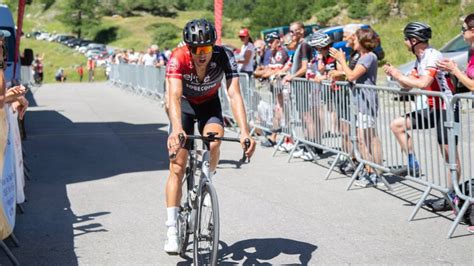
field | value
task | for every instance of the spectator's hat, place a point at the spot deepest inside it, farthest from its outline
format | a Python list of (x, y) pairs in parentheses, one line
[(4, 33), (244, 32), (271, 37)]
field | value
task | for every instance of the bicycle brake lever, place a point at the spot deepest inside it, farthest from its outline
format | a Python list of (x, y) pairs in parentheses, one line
[(246, 159)]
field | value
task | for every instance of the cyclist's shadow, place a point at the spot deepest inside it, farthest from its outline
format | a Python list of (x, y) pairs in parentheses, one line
[(261, 251)]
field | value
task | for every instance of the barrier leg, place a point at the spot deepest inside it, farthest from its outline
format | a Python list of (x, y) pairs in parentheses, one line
[(354, 176), (455, 224), (293, 150), (278, 146), (332, 166), (15, 240), (385, 182), (252, 131), (420, 202), (9, 253)]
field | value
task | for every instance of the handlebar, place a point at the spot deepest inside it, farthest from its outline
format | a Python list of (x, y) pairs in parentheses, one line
[(211, 137)]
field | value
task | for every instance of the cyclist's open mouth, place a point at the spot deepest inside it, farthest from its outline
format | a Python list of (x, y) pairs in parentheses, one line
[(202, 60)]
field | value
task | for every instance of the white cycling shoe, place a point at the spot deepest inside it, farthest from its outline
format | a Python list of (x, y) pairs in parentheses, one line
[(171, 244)]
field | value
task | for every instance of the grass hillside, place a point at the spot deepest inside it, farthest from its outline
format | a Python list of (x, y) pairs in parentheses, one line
[(139, 31)]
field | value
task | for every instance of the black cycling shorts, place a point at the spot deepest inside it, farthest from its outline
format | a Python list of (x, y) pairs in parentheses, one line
[(209, 112), (431, 118)]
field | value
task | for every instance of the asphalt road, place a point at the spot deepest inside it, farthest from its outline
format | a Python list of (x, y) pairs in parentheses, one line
[(96, 196)]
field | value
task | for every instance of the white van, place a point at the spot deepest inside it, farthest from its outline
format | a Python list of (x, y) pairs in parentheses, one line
[(7, 23)]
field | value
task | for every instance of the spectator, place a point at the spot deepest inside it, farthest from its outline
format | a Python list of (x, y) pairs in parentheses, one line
[(365, 72), (91, 68), (347, 165), (427, 76), (80, 72), (297, 67), (132, 56), (60, 75), (467, 77), (38, 68), (160, 60), (167, 53), (149, 59), (3, 58), (262, 56), (278, 60), (247, 53)]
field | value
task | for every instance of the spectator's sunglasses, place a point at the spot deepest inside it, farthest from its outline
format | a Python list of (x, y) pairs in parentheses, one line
[(201, 49)]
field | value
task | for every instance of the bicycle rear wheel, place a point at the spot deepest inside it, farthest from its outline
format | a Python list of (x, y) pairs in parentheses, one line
[(206, 233)]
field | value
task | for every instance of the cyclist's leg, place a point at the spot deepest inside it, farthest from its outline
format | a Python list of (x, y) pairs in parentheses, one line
[(214, 126), (402, 125)]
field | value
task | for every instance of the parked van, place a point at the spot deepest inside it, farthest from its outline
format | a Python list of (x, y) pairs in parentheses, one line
[(7, 23)]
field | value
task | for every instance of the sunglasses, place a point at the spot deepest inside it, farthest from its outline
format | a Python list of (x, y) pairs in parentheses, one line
[(201, 49)]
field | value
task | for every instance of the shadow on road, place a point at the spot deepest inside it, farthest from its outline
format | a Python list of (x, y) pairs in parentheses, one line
[(61, 152), (263, 251)]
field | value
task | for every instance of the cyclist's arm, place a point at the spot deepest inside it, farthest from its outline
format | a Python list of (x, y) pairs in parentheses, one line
[(175, 93)]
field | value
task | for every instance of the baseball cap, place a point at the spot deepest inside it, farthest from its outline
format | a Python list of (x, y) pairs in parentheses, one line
[(244, 32), (4, 33)]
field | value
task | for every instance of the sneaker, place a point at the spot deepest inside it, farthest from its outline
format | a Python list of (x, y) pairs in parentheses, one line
[(405, 171), (364, 180), (171, 244), (348, 168), (298, 153), (470, 229), (282, 147), (375, 179), (267, 143), (307, 156), (289, 146)]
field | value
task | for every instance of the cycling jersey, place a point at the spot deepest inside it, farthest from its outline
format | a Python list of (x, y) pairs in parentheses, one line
[(329, 63), (426, 65), (278, 59), (180, 66)]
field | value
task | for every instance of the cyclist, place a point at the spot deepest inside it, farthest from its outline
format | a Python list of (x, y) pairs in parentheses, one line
[(195, 72), (427, 76)]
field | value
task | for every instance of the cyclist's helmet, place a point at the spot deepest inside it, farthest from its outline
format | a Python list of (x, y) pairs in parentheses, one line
[(320, 40), (417, 30), (199, 32), (271, 36)]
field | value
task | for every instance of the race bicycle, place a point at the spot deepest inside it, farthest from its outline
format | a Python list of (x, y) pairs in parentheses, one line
[(199, 209)]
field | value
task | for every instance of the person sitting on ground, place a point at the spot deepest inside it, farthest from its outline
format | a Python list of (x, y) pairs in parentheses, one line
[(60, 75)]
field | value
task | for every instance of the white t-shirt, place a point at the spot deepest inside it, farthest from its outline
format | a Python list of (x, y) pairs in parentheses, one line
[(149, 60), (248, 67), (426, 65)]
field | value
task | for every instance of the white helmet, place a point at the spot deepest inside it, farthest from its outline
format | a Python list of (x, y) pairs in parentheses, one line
[(320, 40)]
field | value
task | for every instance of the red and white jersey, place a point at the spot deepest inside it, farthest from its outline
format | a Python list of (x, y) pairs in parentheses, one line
[(426, 65), (279, 59), (180, 66)]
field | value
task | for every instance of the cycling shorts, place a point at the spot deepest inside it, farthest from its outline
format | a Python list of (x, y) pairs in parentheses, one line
[(432, 118)]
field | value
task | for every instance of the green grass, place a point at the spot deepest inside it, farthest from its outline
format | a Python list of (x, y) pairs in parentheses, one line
[(59, 56)]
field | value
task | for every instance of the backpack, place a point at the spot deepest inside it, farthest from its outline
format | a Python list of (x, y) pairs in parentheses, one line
[(467, 188)]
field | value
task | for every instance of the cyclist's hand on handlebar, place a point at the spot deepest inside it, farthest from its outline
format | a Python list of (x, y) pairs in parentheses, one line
[(248, 145), (175, 141)]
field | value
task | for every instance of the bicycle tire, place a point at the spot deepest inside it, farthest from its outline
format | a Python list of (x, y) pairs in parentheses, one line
[(206, 254), (182, 220)]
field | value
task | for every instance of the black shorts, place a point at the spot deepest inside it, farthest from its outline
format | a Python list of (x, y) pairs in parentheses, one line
[(431, 118), (209, 112)]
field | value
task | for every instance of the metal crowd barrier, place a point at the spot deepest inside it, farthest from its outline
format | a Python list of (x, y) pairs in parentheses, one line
[(142, 80), (462, 131), (354, 121)]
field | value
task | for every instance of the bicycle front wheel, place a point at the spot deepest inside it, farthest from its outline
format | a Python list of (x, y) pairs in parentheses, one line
[(206, 233)]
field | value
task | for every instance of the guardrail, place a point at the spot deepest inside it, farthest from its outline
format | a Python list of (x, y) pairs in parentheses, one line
[(355, 121)]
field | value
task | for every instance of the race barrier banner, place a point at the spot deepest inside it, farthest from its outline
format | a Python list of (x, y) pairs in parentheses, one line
[(419, 135)]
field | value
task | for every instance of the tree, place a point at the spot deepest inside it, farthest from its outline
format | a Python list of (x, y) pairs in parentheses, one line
[(79, 15)]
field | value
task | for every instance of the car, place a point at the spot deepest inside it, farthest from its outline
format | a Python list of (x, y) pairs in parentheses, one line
[(62, 38), (337, 33), (95, 53), (33, 34), (456, 49), (43, 36), (82, 43)]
